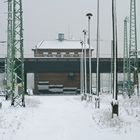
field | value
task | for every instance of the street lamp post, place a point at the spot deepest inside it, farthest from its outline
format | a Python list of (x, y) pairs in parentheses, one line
[(85, 62), (84, 66), (89, 15), (82, 71)]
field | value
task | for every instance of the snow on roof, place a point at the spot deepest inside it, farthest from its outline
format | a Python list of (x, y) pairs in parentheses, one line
[(66, 44)]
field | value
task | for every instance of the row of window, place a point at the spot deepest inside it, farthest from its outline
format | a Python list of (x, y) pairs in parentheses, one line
[(58, 55), (62, 53)]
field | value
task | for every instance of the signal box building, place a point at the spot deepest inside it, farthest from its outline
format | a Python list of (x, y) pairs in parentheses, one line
[(58, 82)]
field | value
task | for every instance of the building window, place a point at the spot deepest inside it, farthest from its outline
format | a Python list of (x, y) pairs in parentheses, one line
[(54, 53), (45, 53), (63, 53)]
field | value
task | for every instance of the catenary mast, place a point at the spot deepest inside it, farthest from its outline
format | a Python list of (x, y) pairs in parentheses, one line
[(18, 89), (125, 57), (133, 82), (9, 51)]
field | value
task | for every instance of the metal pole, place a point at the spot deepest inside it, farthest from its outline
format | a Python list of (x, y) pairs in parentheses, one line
[(84, 97), (112, 75), (82, 71), (115, 48), (114, 23), (85, 63), (90, 74), (97, 103)]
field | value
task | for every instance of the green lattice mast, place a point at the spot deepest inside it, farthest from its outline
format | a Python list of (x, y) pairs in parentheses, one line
[(17, 56), (133, 61), (9, 51), (125, 57)]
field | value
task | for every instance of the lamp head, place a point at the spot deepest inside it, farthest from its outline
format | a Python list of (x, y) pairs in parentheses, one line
[(89, 15), (81, 43), (85, 32)]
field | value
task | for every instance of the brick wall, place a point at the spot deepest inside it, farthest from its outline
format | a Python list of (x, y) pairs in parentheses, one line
[(66, 79)]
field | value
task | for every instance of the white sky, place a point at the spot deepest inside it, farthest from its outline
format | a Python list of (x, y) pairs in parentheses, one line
[(44, 19)]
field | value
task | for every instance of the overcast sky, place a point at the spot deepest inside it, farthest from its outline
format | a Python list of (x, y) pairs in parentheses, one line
[(44, 19)]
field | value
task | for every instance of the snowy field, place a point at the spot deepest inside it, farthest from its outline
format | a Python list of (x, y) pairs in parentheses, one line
[(68, 118)]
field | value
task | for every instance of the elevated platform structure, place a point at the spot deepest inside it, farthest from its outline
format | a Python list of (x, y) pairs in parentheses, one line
[(65, 66), (49, 64)]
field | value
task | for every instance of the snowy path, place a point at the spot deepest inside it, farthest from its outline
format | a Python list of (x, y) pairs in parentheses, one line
[(59, 118), (64, 118)]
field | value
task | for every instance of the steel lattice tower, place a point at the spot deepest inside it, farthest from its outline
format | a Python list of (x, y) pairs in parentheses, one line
[(133, 61), (125, 57), (17, 56), (9, 51)]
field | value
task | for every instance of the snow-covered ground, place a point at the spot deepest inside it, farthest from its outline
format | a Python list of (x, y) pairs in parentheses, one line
[(68, 118)]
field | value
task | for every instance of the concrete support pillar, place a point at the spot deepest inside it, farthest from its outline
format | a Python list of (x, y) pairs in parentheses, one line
[(36, 83), (25, 82)]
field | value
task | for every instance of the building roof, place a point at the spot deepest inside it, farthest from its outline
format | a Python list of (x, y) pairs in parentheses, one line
[(65, 44)]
